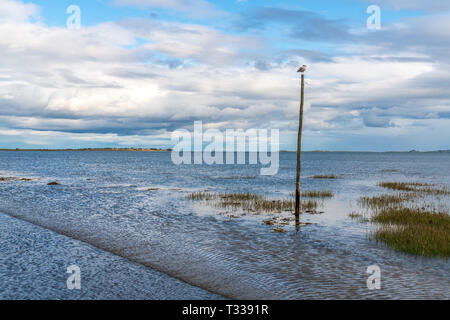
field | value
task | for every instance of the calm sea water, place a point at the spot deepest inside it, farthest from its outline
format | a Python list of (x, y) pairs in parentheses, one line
[(104, 200)]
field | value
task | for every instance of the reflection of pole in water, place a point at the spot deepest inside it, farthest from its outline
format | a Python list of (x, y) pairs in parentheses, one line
[(299, 149)]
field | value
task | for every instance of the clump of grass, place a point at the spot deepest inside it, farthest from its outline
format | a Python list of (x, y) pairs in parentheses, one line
[(412, 216), (402, 186), (437, 192), (308, 205), (201, 196), (12, 179), (385, 200), (420, 230), (255, 204), (355, 215), (238, 177), (419, 240), (279, 230), (358, 216), (317, 194), (330, 176), (262, 204), (240, 197), (8, 179), (251, 202), (415, 187), (390, 170), (414, 230)]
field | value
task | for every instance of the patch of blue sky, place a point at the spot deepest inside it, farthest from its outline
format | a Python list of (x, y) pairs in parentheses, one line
[(94, 12), (353, 10), (139, 42)]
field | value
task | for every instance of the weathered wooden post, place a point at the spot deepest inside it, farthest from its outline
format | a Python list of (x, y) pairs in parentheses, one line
[(299, 149)]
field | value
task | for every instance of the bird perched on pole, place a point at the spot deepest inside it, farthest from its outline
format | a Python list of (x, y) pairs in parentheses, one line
[(302, 69)]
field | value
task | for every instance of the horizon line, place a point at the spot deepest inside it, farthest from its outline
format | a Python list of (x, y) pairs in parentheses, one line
[(150, 149)]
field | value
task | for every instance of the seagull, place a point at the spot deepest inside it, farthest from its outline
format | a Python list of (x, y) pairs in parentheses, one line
[(302, 69)]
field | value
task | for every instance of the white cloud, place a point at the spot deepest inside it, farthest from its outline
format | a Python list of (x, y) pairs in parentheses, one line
[(18, 11), (190, 41), (44, 139)]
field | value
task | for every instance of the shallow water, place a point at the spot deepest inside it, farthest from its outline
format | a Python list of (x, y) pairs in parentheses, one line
[(34, 261), (104, 200)]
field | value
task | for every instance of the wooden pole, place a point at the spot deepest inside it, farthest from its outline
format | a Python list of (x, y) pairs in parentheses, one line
[(299, 155)]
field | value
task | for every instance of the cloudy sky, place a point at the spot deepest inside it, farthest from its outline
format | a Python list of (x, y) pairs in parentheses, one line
[(137, 70)]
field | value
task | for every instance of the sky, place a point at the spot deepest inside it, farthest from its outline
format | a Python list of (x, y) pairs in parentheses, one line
[(137, 70)]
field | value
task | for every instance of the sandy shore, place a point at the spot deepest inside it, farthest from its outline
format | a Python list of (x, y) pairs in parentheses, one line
[(34, 261)]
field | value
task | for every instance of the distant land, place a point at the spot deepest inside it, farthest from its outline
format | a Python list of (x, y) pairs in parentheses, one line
[(169, 150), (95, 149), (411, 151)]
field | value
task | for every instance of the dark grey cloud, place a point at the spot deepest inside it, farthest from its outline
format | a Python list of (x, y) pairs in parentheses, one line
[(70, 77), (375, 121), (425, 36), (311, 55), (262, 65), (121, 126)]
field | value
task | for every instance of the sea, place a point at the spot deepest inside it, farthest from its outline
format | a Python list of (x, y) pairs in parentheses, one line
[(135, 205)]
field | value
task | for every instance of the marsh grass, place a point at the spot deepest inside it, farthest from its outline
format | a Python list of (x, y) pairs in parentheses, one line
[(279, 230), (269, 222), (260, 204), (418, 240), (384, 201), (416, 216), (251, 202), (13, 179), (359, 217), (418, 187), (330, 176), (317, 194), (402, 186), (407, 220), (238, 177), (390, 170), (8, 179), (414, 230), (199, 196), (257, 205), (355, 215)]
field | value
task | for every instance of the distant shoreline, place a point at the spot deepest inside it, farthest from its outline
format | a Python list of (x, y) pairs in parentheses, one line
[(170, 150), (96, 149), (412, 151)]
